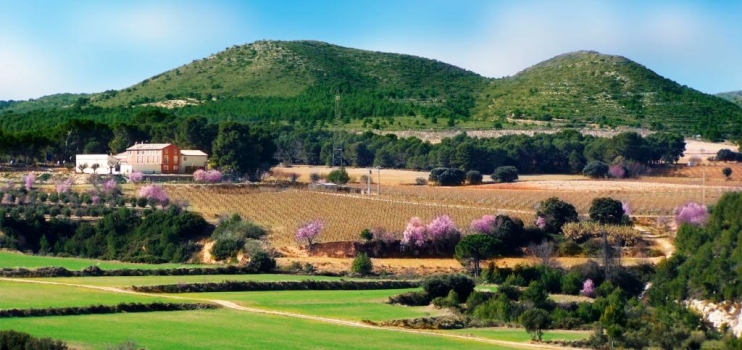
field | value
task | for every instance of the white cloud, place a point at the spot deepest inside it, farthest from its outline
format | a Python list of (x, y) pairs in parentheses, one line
[(153, 25), (28, 71)]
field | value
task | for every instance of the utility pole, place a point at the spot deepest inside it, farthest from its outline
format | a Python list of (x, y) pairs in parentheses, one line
[(703, 184), (378, 188), (368, 181)]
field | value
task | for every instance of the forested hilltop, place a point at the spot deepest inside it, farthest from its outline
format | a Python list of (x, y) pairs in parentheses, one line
[(289, 82)]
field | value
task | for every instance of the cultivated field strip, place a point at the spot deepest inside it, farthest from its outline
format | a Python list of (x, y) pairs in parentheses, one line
[(346, 215)]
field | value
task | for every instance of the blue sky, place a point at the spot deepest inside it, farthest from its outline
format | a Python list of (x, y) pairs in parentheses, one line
[(90, 46)]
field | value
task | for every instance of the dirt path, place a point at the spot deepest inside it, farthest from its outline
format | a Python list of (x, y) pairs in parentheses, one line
[(233, 306)]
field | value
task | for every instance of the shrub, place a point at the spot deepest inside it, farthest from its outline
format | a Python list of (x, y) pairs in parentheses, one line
[(362, 264), (11, 340), (535, 321), (441, 285), (477, 247), (505, 174), (581, 231), (224, 249), (474, 177), (421, 181), (262, 262), (447, 176), (606, 211), (367, 235), (727, 172), (451, 300), (338, 176), (556, 213), (411, 299), (595, 169), (314, 177)]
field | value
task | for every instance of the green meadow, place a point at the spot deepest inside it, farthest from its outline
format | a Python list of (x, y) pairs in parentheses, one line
[(19, 295), (128, 281), (354, 305), (17, 260), (226, 329)]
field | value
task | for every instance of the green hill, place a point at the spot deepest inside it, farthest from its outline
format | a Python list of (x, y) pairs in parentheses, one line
[(288, 69), (587, 87), (297, 81), (734, 96), (46, 102)]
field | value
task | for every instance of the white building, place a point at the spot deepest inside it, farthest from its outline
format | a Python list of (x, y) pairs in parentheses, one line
[(86, 163), (192, 160)]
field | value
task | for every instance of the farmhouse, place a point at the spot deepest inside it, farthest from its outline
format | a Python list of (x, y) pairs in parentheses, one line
[(192, 160), (161, 158), (98, 163)]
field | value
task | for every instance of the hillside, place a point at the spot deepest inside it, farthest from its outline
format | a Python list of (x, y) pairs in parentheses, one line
[(289, 69), (734, 96), (296, 81), (46, 102), (592, 88)]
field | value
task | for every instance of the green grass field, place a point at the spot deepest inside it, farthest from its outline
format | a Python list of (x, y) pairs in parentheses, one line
[(18, 295), (128, 281), (16, 260), (519, 334), (225, 329), (354, 305)]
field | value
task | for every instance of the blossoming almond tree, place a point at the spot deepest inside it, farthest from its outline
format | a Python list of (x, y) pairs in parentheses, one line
[(310, 232)]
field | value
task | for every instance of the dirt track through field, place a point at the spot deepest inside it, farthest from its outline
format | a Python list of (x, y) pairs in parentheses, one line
[(233, 306)]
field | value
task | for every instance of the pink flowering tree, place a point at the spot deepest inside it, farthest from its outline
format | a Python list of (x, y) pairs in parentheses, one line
[(442, 228), (310, 232), (136, 177), (29, 180), (626, 208), (414, 233), (485, 225), (588, 288), (691, 213), (111, 187), (155, 193), (199, 175), (617, 171), (95, 199), (541, 222), (65, 186), (213, 176)]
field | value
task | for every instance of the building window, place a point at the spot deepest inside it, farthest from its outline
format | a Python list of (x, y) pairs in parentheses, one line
[(176, 160), (175, 167), (185, 158), (166, 168), (164, 160)]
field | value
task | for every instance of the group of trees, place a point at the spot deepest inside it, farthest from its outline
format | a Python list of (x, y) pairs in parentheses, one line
[(564, 152), (240, 148)]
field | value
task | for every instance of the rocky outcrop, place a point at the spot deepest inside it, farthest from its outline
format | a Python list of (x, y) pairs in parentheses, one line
[(729, 313)]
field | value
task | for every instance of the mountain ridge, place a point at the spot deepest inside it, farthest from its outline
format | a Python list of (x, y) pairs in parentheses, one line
[(297, 80)]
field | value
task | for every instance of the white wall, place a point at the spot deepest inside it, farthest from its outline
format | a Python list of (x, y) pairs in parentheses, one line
[(194, 161), (101, 159)]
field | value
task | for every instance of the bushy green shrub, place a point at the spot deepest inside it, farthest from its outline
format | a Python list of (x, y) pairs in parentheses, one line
[(224, 249), (447, 176), (338, 176), (441, 285), (12, 340), (505, 173), (262, 262), (362, 264), (474, 177), (411, 299), (595, 169)]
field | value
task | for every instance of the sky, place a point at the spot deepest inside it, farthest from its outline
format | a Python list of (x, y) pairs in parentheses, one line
[(76, 46)]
